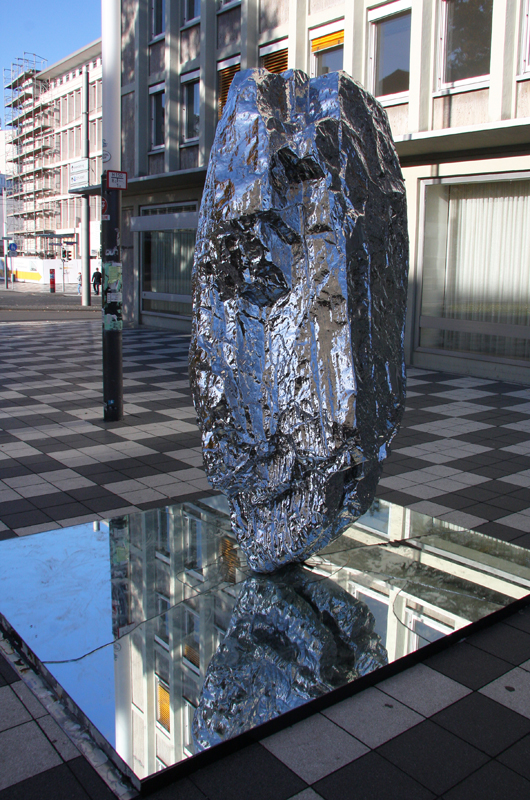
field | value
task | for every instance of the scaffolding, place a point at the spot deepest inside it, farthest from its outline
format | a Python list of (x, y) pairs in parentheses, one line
[(31, 115)]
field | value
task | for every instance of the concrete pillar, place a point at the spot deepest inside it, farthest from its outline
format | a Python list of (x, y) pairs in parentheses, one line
[(208, 120), (85, 200), (506, 24), (249, 34), (298, 52), (422, 61)]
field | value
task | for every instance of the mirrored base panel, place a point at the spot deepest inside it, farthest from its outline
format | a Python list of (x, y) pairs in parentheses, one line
[(157, 636)]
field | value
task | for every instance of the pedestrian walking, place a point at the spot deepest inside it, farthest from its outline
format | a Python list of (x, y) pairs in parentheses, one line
[(79, 283), (96, 280)]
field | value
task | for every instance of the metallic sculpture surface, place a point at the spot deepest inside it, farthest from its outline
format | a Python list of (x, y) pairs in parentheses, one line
[(292, 637), (296, 359)]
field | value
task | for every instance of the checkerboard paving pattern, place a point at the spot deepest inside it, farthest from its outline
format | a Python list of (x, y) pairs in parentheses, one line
[(60, 464), (456, 726)]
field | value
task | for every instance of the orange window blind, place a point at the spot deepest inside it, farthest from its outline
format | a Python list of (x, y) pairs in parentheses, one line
[(325, 42), (226, 77), (275, 62), (163, 706)]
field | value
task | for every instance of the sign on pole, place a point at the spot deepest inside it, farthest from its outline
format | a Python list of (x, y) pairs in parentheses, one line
[(80, 174), (116, 179), (12, 247)]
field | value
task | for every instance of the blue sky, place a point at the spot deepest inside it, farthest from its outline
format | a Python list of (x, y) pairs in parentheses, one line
[(50, 28)]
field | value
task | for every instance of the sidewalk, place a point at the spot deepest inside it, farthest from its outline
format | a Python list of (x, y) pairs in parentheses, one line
[(27, 302), (457, 726)]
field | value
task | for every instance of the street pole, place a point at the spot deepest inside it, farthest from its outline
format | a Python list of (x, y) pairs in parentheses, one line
[(85, 200), (110, 227)]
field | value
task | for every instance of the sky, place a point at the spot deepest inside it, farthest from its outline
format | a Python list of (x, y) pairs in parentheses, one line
[(50, 28)]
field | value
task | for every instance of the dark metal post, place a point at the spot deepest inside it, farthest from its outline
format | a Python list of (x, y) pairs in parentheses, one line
[(111, 299)]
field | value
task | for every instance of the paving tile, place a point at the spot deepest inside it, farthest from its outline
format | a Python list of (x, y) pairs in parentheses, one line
[(373, 717), (468, 665), (57, 783), (295, 747), (434, 757), (93, 785), (371, 778), (511, 690), (487, 725), (517, 757), (64, 746), (25, 752), (7, 673), (35, 708), (423, 689), (12, 711), (493, 781), (186, 790), (250, 774), (503, 641)]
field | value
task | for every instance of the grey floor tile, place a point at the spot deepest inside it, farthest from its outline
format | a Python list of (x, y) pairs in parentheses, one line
[(373, 717), (12, 711), (64, 746), (482, 722), (371, 778), (434, 757), (468, 665), (307, 794), (25, 751), (511, 690), (423, 689), (295, 747), (35, 708), (493, 781)]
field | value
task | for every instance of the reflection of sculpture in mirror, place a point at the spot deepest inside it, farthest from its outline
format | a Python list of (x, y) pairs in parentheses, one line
[(296, 359), (291, 637)]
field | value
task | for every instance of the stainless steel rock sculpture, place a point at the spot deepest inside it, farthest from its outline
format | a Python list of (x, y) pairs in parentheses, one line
[(291, 637), (300, 273)]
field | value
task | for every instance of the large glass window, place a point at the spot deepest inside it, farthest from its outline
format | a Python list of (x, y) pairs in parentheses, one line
[(191, 101), (192, 10), (158, 121), (167, 260), (327, 53), (476, 269), (158, 17), (391, 42), (467, 39)]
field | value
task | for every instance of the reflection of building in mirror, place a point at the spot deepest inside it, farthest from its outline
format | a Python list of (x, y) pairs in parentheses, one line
[(477, 565), (161, 562)]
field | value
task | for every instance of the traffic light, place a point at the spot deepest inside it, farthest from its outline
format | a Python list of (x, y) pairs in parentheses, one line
[(68, 255), (64, 256)]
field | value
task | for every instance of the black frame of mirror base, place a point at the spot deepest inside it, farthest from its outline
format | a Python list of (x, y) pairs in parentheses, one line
[(158, 780)]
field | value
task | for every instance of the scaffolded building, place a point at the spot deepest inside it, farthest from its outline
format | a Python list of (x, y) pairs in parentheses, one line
[(43, 118)]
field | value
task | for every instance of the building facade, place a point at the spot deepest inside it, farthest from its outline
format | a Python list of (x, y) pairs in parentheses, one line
[(43, 116), (454, 78)]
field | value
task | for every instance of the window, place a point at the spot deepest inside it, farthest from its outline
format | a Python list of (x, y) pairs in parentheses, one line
[(327, 52), (191, 106), (226, 72), (158, 113), (525, 48), (390, 49), (274, 57), (192, 10), (158, 17), (466, 39), (476, 268)]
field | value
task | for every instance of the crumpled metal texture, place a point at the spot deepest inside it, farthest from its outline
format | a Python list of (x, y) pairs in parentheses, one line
[(299, 294), (291, 638)]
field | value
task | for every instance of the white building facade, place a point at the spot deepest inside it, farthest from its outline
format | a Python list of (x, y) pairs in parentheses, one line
[(454, 77), (43, 115)]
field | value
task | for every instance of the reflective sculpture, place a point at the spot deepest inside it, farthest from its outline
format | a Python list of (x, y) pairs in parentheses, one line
[(299, 291), (291, 637)]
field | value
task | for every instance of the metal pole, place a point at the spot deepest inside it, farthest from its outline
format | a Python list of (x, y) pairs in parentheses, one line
[(110, 228), (85, 200)]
